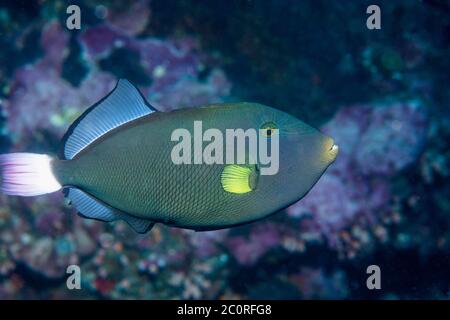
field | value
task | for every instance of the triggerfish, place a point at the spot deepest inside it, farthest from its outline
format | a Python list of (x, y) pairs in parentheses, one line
[(116, 163)]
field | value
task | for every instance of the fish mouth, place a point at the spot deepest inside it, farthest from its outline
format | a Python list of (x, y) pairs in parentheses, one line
[(332, 150)]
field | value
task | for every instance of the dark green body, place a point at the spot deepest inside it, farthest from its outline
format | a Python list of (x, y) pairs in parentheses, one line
[(130, 169)]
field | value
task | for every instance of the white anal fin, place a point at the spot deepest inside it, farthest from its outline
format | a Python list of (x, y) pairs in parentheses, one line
[(124, 104), (92, 208)]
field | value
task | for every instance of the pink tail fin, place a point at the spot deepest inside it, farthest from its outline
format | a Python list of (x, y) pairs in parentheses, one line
[(27, 174)]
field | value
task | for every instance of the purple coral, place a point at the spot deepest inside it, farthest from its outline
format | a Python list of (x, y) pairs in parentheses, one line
[(392, 139), (131, 21), (315, 283), (247, 250), (41, 100), (172, 65), (376, 141)]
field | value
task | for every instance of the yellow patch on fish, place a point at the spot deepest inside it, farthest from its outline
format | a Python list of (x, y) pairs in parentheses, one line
[(238, 178)]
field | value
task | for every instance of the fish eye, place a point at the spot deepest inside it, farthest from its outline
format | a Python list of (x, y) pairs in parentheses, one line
[(268, 129)]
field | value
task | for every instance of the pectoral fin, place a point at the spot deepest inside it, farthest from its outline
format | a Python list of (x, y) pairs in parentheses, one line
[(239, 178)]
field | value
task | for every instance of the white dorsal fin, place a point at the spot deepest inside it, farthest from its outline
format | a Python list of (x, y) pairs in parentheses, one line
[(92, 208), (125, 103)]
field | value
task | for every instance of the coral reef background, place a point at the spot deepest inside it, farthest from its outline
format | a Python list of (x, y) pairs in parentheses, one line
[(382, 94)]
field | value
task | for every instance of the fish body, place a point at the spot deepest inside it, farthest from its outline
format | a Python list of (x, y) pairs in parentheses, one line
[(126, 170)]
